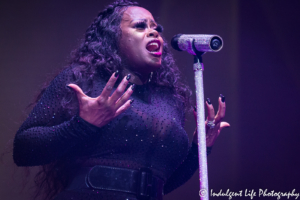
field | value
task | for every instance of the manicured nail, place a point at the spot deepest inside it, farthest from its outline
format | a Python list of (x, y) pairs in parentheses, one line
[(132, 100), (128, 77), (117, 73), (222, 98), (195, 109), (133, 86), (208, 101)]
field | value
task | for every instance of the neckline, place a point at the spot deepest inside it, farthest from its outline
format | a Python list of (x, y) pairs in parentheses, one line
[(141, 91), (139, 86)]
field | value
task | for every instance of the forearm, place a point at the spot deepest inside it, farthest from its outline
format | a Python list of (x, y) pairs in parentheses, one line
[(42, 145)]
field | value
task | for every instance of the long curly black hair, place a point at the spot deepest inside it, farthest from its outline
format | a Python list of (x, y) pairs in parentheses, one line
[(98, 55)]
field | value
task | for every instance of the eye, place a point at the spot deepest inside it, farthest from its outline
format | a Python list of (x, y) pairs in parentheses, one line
[(159, 28), (140, 25)]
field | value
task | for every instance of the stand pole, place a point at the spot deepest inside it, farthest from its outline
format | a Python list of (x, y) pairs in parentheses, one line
[(203, 177)]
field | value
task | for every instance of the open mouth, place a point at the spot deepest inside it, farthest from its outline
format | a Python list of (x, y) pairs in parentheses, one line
[(154, 47)]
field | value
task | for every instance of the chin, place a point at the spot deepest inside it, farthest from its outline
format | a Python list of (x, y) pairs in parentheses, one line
[(155, 66), (155, 63)]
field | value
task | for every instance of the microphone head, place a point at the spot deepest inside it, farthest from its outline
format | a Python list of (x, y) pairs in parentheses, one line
[(197, 42), (216, 43), (174, 42)]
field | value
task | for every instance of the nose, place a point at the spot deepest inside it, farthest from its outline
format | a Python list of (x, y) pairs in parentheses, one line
[(152, 33)]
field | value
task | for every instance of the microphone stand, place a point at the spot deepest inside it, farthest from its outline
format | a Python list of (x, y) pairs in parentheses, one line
[(204, 43), (202, 156)]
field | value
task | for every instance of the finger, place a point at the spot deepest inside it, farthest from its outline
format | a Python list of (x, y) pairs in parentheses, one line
[(212, 135), (109, 85), (210, 110), (125, 96), (224, 125), (222, 107), (78, 91), (120, 89), (124, 107)]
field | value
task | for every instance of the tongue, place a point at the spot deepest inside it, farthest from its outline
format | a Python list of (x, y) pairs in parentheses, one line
[(151, 48)]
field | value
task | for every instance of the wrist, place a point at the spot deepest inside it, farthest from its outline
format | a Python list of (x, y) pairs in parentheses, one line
[(90, 119), (195, 140)]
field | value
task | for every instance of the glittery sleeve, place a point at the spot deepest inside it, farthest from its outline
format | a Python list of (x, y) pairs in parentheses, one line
[(49, 131)]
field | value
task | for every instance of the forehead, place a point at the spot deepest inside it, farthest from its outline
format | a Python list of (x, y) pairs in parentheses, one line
[(133, 13)]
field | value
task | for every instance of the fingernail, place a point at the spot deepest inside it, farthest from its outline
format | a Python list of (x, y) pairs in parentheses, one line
[(132, 100), (208, 101), (222, 98), (128, 77), (117, 73), (133, 86), (195, 109)]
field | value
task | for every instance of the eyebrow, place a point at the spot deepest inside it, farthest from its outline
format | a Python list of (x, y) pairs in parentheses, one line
[(144, 20)]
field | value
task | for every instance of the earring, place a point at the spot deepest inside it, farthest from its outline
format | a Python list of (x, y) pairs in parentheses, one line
[(150, 77)]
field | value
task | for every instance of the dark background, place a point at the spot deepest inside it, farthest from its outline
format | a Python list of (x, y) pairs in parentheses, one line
[(257, 71)]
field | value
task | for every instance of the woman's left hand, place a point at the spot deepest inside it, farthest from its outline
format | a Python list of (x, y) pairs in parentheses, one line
[(213, 132)]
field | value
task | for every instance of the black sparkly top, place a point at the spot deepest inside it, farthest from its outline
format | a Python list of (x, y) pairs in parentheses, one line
[(149, 134)]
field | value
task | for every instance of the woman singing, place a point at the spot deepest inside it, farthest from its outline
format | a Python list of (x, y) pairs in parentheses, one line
[(111, 124)]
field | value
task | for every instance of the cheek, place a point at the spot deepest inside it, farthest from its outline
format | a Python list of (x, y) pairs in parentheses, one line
[(133, 47), (127, 42)]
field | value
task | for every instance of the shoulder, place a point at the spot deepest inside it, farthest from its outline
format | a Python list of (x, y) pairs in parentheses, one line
[(61, 80), (65, 75), (79, 75)]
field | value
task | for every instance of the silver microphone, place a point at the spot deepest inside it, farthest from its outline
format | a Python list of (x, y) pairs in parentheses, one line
[(197, 42)]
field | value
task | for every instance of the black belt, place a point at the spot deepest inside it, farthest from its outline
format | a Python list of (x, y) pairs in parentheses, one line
[(139, 182)]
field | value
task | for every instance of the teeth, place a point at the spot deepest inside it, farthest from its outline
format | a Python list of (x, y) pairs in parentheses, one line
[(155, 44)]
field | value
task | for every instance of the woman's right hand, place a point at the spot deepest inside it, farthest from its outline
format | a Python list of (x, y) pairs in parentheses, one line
[(101, 110)]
